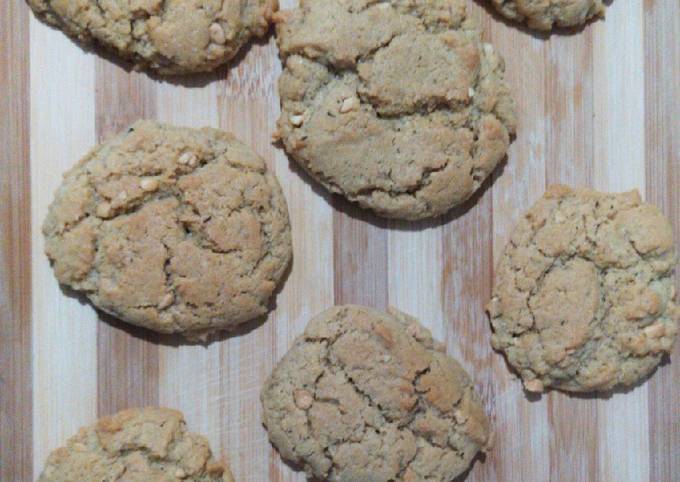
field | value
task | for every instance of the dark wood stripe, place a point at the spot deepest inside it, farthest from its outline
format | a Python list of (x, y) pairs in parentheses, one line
[(127, 357), (122, 97), (662, 152), (359, 256), (16, 454), (467, 269)]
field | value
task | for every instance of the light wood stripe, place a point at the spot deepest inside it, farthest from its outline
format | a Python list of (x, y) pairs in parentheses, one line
[(64, 327), (662, 134), (619, 83), (127, 356), (569, 160), (416, 255), (15, 247)]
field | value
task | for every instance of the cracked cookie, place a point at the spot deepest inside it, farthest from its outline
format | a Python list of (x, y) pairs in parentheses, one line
[(584, 296), (546, 14), (174, 229), (136, 445), (397, 105), (370, 396), (168, 36)]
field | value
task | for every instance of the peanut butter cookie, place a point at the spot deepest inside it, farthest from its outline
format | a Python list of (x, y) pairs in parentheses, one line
[(369, 396), (583, 299), (546, 14), (136, 445), (169, 36), (174, 229), (397, 105)]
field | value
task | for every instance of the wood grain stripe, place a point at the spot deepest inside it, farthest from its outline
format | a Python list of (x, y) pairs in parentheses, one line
[(15, 246), (415, 253), (127, 356), (466, 288), (359, 256), (619, 140), (122, 96), (64, 325), (569, 160), (662, 148)]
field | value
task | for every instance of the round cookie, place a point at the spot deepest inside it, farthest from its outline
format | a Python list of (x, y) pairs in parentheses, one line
[(136, 445), (168, 36), (396, 105), (174, 229), (370, 396), (583, 298), (546, 14)]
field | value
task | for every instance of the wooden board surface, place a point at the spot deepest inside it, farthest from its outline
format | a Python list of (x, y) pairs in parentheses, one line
[(600, 107)]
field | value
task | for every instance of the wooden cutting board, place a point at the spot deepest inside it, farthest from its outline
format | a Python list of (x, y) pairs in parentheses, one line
[(600, 107)]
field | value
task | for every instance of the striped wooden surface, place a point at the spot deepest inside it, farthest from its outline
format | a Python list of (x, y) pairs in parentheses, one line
[(600, 107)]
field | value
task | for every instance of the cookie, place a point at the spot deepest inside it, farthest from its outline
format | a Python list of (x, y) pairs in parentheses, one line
[(583, 298), (396, 105), (370, 396), (173, 229), (547, 14), (136, 445), (170, 37)]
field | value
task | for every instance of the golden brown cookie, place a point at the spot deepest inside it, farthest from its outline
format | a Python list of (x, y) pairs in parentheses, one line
[(370, 396), (546, 14), (136, 445), (583, 299), (169, 36), (174, 229), (396, 105)]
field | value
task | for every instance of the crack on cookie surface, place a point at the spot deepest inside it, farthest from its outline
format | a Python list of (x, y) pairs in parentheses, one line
[(407, 145), (632, 319), (198, 246), (136, 445), (358, 392)]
